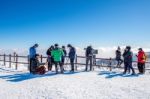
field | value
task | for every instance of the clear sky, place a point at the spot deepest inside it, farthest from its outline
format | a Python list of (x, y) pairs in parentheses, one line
[(79, 22)]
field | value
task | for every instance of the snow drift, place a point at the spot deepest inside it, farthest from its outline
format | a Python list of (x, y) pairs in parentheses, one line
[(99, 84)]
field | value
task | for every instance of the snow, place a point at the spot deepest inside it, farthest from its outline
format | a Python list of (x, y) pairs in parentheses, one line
[(98, 84)]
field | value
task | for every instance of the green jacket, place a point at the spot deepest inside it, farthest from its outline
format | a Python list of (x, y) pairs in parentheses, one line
[(57, 54)]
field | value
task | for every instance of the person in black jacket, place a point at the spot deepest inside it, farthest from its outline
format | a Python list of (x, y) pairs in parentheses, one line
[(118, 57), (50, 59), (128, 57), (65, 54), (72, 55), (89, 57)]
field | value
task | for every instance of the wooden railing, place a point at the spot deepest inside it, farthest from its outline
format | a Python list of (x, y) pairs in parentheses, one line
[(15, 60)]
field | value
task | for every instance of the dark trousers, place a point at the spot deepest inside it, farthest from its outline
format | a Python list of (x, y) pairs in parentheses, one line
[(56, 67), (50, 63), (141, 67), (30, 65), (72, 64), (119, 62), (128, 66), (88, 59), (63, 62)]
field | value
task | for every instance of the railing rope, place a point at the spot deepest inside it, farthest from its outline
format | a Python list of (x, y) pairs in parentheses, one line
[(14, 56)]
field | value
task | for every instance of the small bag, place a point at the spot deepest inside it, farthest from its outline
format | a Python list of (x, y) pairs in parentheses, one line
[(41, 70)]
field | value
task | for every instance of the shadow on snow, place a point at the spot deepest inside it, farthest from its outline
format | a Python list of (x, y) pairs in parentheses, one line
[(23, 76), (18, 77), (115, 74)]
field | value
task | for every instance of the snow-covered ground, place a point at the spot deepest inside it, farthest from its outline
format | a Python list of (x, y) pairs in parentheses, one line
[(99, 84)]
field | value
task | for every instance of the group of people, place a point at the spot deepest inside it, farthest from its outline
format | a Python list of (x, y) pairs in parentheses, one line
[(128, 59), (57, 55)]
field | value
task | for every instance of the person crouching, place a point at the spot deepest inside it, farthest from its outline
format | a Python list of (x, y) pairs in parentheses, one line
[(37, 67)]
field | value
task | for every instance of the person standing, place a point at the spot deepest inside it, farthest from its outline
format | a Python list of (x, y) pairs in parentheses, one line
[(32, 56), (63, 57), (141, 61), (57, 54), (89, 57), (72, 55), (118, 57), (128, 57), (50, 59)]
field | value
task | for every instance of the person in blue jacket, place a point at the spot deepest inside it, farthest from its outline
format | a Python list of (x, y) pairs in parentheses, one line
[(32, 55), (72, 55)]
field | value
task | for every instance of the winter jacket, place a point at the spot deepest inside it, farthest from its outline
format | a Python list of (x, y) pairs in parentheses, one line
[(35, 63), (118, 55), (65, 54), (72, 53), (57, 54), (32, 52), (128, 56), (89, 52), (48, 52), (141, 57)]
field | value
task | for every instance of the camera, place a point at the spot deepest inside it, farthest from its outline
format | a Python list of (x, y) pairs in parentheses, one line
[(94, 51)]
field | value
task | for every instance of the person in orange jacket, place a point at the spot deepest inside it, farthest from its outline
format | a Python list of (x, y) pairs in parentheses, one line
[(141, 61)]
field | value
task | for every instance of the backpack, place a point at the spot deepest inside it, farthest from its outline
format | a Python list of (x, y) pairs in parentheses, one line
[(145, 57), (41, 70)]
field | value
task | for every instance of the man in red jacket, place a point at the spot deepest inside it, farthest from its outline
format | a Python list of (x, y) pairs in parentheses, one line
[(141, 61)]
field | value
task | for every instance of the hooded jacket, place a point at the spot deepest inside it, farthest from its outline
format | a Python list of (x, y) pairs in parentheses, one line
[(141, 57), (57, 54)]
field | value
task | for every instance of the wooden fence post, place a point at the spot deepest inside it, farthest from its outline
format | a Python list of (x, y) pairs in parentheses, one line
[(28, 57), (4, 59), (10, 61), (110, 64), (41, 58), (16, 62), (76, 61), (14, 56), (93, 61)]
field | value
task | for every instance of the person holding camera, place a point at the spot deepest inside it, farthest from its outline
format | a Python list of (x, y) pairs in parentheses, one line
[(89, 57)]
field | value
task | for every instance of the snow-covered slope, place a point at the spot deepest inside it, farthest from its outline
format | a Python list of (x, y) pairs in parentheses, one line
[(99, 84)]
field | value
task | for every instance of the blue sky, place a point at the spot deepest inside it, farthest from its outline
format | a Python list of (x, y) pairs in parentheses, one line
[(79, 22)]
